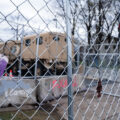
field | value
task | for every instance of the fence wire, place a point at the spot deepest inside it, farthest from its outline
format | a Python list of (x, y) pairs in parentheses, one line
[(57, 64)]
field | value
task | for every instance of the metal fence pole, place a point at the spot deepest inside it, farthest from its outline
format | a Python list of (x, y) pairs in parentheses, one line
[(118, 40), (78, 58), (36, 65), (69, 61), (36, 60), (20, 64), (84, 63)]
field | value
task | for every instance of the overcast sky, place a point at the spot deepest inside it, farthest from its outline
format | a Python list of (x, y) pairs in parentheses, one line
[(42, 21)]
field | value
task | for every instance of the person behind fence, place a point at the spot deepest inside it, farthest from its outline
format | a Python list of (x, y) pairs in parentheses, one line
[(3, 63)]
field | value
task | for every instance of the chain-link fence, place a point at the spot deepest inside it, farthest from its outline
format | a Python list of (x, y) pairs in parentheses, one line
[(59, 59)]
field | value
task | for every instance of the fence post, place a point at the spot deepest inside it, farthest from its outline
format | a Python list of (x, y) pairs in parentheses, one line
[(20, 64), (118, 61), (69, 60), (36, 65), (78, 57)]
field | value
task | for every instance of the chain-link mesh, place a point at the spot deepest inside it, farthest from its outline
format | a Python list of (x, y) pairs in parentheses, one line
[(42, 42)]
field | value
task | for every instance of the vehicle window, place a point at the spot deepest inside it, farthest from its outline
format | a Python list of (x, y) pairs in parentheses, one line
[(13, 49), (65, 39), (27, 42), (56, 38), (40, 40)]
